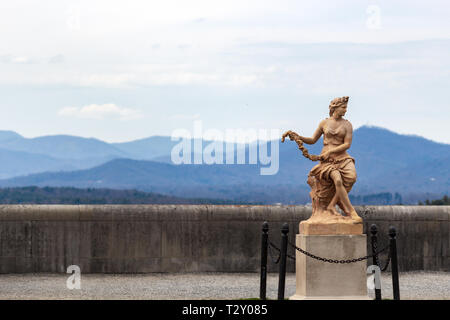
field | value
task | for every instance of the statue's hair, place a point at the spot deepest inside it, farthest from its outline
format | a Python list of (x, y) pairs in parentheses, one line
[(337, 102)]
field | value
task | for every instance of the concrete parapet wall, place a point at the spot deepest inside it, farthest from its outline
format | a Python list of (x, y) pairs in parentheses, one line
[(190, 238)]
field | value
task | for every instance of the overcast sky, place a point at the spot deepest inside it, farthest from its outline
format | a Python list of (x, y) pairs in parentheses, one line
[(123, 70)]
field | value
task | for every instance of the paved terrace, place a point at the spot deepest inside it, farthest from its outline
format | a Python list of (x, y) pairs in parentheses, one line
[(195, 286)]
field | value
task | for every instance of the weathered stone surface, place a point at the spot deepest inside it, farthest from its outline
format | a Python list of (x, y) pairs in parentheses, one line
[(311, 228), (159, 238), (317, 279)]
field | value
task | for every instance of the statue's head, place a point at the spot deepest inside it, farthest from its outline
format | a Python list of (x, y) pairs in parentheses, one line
[(336, 103)]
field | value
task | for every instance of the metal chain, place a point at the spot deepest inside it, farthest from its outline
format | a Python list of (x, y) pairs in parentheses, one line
[(333, 260), (375, 248), (387, 262), (377, 258), (271, 255), (279, 250)]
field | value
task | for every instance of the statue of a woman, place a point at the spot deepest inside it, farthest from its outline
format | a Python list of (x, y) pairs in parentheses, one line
[(334, 176)]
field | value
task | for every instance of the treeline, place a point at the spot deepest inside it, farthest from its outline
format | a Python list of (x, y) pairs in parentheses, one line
[(69, 195), (439, 202)]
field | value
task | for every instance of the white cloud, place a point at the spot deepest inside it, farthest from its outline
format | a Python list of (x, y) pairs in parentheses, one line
[(20, 60), (16, 59), (59, 58), (100, 111)]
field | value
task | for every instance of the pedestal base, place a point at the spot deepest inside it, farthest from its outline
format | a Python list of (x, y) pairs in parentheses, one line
[(317, 279)]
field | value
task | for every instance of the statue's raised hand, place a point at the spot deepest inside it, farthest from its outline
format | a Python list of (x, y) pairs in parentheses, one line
[(293, 136)]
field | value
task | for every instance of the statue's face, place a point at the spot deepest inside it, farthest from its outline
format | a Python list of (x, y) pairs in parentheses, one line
[(341, 110)]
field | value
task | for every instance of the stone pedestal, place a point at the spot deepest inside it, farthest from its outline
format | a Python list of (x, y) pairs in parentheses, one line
[(317, 279), (310, 228)]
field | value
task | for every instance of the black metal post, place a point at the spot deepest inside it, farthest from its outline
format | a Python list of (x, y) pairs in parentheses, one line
[(374, 241), (283, 253), (394, 263), (264, 243)]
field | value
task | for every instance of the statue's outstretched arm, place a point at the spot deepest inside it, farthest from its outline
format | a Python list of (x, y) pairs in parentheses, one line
[(294, 136), (316, 135), (299, 140)]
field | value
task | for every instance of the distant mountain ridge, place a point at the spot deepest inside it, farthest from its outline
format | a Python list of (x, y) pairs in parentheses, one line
[(22, 156), (60, 146), (412, 166), (147, 148)]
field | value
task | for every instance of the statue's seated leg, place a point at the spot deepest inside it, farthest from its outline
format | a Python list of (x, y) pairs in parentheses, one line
[(332, 206), (336, 177), (342, 197), (340, 205)]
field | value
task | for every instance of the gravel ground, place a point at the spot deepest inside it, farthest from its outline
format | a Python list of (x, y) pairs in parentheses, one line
[(413, 285)]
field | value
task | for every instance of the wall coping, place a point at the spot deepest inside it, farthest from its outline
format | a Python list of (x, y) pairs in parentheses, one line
[(208, 212)]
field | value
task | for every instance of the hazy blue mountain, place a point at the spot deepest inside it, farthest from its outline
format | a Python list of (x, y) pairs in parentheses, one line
[(124, 173), (9, 136), (60, 146), (16, 163), (19, 163), (148, 148), (156, 148), (385, 158), (238, 182), (386, 162), (22, 156)]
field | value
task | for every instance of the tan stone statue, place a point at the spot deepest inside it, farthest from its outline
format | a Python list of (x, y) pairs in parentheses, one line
[(333, 177)]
